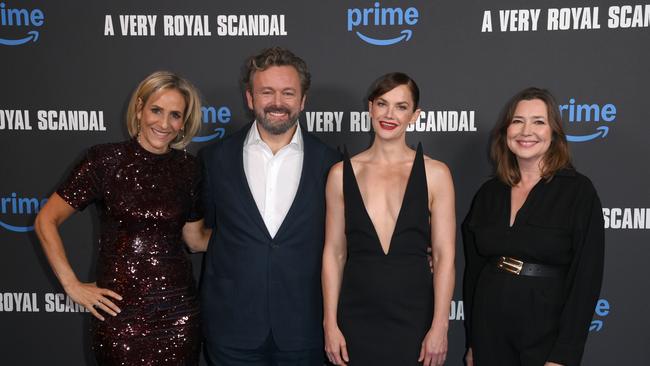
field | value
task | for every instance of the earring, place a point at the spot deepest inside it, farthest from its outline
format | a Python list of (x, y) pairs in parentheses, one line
[(179, 138)]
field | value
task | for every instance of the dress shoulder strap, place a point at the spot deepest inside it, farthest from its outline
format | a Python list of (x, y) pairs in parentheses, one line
[(347, 163), (419, 172), (419, 157)]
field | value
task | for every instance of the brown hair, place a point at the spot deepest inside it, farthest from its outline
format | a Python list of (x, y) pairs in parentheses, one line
[(276, 56), (160, 80), (557, 157), (390, 81)]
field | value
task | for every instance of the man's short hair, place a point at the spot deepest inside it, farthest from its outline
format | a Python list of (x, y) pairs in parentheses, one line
[(276, 56)]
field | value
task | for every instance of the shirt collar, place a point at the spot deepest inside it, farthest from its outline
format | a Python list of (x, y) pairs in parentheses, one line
[(253, 138)]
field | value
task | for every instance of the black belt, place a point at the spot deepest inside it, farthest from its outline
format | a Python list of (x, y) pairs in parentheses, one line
[(520, 268)]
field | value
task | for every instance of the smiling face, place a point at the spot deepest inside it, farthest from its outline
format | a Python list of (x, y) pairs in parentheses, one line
[(161, 118), (276, 98), (529, 134), (392, 112)]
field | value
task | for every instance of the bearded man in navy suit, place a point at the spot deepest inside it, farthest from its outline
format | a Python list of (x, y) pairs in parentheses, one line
[(264, 192)]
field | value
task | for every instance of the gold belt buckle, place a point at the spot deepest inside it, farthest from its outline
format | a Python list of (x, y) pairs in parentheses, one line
[(511, 265)]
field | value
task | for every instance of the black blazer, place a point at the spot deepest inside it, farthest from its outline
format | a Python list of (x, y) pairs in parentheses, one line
[(253, 284)]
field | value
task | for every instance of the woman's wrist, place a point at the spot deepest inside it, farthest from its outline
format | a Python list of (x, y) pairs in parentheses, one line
[(68, 282), (440, 324), (330, 322)]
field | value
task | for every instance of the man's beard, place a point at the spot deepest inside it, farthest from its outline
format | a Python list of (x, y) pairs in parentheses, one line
[(277, 127)]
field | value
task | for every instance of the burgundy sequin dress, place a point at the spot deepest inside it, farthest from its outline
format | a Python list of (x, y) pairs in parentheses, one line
[(143, 199)]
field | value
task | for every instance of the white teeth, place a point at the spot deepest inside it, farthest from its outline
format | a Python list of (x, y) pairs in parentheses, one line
[(527, 143)]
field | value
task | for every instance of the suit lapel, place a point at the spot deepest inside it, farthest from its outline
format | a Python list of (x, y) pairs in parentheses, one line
[(245, 192), (305, 186)]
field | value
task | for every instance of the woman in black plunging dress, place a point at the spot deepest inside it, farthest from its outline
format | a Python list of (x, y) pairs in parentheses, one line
[(534, 243), (385, 207), (147, 193)]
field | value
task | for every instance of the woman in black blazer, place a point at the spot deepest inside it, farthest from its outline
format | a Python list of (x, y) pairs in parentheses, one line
[(534, 243)]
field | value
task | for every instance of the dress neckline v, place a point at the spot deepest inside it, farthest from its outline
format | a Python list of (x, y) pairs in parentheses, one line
[(409, 183)]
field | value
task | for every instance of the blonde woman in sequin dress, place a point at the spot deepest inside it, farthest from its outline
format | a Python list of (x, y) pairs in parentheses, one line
[(146, 190)]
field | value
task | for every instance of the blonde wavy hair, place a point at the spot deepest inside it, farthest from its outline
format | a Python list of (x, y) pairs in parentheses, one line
[(166, 80)]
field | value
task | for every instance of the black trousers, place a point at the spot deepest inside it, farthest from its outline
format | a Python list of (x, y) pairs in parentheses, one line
[(267, 354), (515, 319)]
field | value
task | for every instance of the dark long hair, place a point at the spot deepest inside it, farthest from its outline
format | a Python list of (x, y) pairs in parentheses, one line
[(557, 157)]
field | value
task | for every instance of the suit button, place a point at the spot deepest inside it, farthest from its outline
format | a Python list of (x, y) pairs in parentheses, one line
[(274, 246)]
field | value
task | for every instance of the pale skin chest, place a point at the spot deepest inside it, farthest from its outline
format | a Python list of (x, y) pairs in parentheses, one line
[(382, 188)]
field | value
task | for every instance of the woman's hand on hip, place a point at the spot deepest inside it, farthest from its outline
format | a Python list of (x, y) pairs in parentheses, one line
[(93, 298)]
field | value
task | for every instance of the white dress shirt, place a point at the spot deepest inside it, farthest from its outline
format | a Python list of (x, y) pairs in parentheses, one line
[(273, 179)]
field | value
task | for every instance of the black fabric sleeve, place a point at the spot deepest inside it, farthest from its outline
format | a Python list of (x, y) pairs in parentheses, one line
[(474, 264), (207, 196), (583, 279)]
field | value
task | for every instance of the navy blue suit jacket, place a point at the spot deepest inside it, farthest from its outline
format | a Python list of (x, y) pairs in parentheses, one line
[(252, 283)]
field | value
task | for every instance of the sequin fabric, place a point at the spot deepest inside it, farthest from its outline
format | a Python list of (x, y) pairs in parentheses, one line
[(143, 200)]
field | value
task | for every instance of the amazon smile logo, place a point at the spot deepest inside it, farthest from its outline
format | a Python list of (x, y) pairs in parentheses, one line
[(377, 19), (602, 310), (13, 23), (213, 119), (14, 209), (587, 122)]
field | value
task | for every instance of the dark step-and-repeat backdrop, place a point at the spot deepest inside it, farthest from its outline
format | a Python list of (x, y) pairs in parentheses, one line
[(68, 68)]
